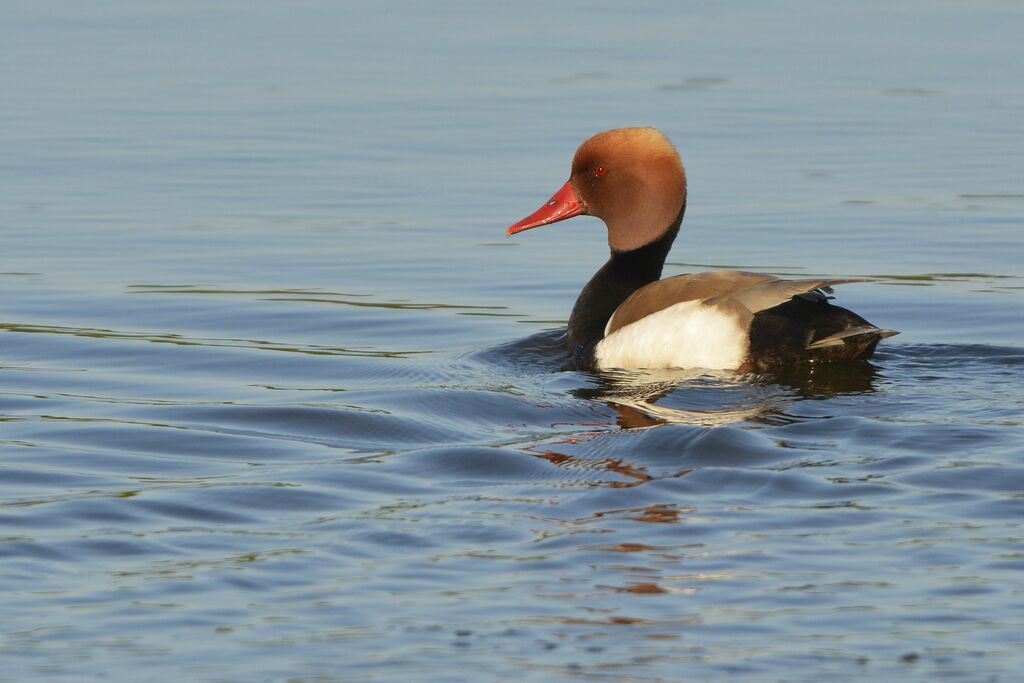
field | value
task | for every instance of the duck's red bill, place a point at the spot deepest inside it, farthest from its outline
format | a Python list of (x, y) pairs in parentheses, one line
[(564, 204)]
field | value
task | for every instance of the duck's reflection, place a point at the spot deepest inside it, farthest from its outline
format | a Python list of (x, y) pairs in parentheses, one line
[(630, 474), (649, 398), (644, 399), (694, 397)]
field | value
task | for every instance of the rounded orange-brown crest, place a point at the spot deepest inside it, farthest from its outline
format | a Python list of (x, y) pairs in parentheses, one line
[(633, 179)]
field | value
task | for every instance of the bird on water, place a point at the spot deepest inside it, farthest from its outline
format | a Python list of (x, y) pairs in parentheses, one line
[(627, 317)]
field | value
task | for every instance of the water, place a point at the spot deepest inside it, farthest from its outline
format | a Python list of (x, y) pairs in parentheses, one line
[(280, 402)]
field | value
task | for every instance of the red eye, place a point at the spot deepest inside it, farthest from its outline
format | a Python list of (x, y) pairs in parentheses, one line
[(600, 171)]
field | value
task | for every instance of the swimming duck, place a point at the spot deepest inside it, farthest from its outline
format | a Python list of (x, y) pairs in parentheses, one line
[(626, 317)]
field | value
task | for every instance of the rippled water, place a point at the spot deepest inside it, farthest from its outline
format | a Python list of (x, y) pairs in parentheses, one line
[(278, 401)]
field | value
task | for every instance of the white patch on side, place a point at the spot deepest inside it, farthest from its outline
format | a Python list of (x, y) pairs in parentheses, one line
[(685, 335)]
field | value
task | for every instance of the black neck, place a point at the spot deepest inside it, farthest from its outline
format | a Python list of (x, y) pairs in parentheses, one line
[(624, 273)]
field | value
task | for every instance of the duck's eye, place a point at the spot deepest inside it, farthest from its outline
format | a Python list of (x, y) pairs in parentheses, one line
[(600, 170)]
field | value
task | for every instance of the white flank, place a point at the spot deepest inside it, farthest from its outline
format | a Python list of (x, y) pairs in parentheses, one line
[(685, 335)]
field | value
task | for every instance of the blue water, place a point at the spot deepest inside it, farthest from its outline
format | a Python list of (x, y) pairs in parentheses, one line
[(280, 402)]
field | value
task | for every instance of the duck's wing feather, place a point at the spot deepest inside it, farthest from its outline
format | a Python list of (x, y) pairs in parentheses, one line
[(741, 292), (770, 294), (842, 337), (673, 290)]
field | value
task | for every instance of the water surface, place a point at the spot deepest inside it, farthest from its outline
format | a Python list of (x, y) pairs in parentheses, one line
[(278, 400)]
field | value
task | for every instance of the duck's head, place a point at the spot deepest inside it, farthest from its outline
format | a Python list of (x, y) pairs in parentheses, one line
[(631, 178)]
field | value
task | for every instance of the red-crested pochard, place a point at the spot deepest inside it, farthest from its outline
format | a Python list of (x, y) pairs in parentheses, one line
[(626, 317)]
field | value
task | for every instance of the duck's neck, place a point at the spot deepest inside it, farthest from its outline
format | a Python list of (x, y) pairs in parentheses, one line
[(624, 273)]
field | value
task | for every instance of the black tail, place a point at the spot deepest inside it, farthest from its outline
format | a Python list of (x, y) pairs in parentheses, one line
[(805, 329)]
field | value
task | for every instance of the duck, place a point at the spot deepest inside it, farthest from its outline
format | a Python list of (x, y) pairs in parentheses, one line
[(627, 317)]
